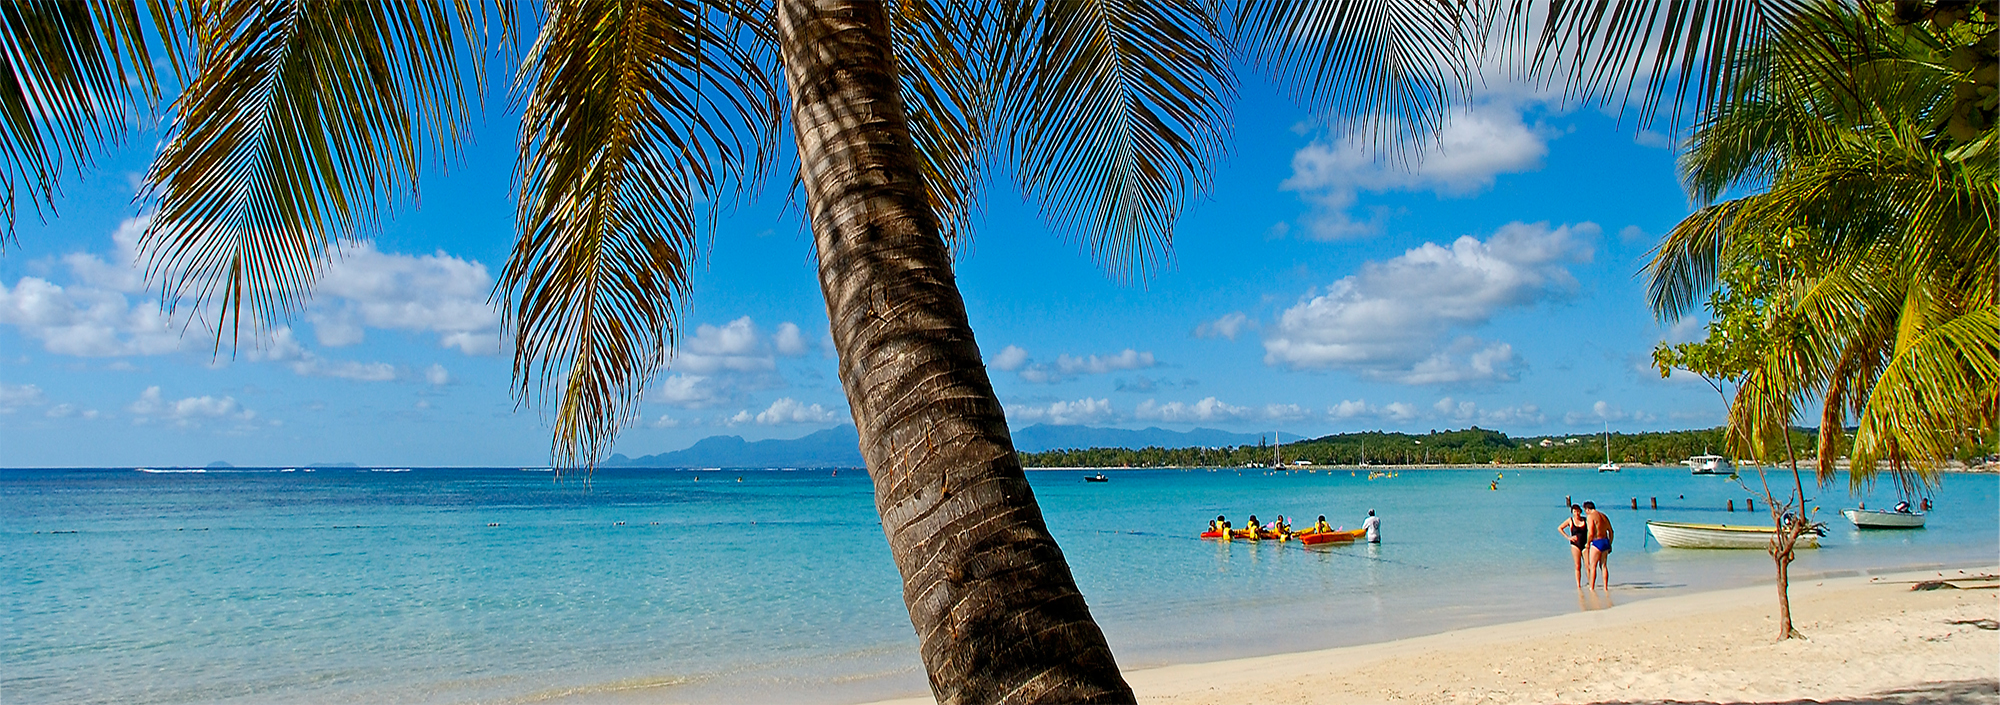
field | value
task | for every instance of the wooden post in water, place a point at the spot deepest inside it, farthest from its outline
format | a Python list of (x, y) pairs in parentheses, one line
[(1732, 505), (1749, 505), (1656, 503), (1635, 504)]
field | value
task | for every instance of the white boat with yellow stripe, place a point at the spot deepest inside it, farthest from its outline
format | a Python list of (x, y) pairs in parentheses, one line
[(1674, 534)]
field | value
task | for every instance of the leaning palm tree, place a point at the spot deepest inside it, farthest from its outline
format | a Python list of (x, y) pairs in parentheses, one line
[(297, 122)]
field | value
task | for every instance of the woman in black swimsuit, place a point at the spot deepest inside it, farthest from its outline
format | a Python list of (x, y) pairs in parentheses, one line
[(1575, 528)]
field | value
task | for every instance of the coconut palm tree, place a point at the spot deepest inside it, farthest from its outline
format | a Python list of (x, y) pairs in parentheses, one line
[(1874, 231), (1863, 269), (296, 123)]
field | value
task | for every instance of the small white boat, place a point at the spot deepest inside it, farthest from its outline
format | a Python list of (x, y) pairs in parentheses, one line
[(1608, 466), (1706, 464), (1879, 519), (1673, 534)]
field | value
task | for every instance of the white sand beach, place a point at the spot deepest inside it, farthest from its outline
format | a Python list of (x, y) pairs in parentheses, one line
[(1867, 640)]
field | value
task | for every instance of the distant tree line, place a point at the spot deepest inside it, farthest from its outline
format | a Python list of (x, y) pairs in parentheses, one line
[(1472, 446)]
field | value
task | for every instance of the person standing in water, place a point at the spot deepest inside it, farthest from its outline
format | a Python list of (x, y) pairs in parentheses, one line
[(1372, 526), (1576, 530), (1597, 529)]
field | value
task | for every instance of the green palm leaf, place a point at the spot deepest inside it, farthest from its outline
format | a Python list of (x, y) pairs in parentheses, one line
[(636, 115), (301, 120), (1393, 65), (1114, 111), (66, 91)]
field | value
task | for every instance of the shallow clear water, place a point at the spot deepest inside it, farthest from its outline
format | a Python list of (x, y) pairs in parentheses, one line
[(499, 585)]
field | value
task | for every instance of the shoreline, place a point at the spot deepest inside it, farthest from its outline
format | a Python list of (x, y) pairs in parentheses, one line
[(1988, 469), (1868, 637)]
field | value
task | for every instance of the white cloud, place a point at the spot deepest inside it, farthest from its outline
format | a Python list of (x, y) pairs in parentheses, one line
[(787, 410), (737, 346), (1128, 360), (1604, 411), (1212, 410), (1399, 411), (1066, 413), (1228, 326), (1476, 144), (664, 421), (686, 391), (437, 375), (63, 411), (1352, 409), (85, 321), (187, 412), (105, 309), (789, 340), (1206, 410), (1067, 367), (282, 346), (1469, 412), (718, 364), (1011, 358), (1394, 320), (366, 288), (14, 397)]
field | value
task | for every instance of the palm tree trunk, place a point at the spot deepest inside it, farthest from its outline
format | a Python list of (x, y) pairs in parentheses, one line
[(995, 607)]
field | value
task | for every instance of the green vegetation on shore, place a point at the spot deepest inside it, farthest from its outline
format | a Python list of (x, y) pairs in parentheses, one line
[(1471, 446)]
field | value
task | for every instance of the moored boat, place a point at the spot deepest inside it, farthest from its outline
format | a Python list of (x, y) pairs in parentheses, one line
[(1325, 537), (1608, 466), (1708, 464), (1673, 534), (1879, 519)]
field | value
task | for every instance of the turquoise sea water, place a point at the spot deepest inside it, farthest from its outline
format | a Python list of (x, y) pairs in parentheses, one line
[(502, 585)]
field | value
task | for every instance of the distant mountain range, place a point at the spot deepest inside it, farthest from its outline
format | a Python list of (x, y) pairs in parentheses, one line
[(839, 447)]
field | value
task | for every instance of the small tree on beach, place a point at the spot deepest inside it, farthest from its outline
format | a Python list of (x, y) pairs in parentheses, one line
[(1864, 268)]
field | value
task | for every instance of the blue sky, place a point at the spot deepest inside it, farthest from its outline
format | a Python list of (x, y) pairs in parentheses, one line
[(1315, 289)]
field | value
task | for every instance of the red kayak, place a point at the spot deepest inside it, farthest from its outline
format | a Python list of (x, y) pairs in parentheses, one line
[(1348, 536)]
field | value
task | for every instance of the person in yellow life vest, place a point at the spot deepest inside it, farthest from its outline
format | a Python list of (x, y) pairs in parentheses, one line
[(1218, 524), (1284, 528), (1321, 527), (1254, 527)]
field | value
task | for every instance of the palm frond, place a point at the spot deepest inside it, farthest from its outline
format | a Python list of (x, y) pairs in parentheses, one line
[(638, 118), (1940, 375), (1115, 112), (1394, 66), (67, 90), (945, 48), (300, 122), (1667, 54)]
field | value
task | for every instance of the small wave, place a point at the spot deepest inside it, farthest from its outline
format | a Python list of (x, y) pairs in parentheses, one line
[(538, 469), (288, 470), (169, 471), (388, 470)]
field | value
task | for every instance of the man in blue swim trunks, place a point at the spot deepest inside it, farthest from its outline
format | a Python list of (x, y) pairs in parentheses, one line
[(1597, 529)]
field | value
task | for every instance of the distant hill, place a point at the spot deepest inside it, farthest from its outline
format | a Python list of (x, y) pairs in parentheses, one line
[(1044, 437), (839, 447)]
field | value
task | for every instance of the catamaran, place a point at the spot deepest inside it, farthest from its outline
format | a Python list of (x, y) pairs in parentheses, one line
[(1708, 464)]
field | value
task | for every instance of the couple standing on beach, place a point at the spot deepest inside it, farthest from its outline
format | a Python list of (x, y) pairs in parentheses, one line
[(1589, 534)]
